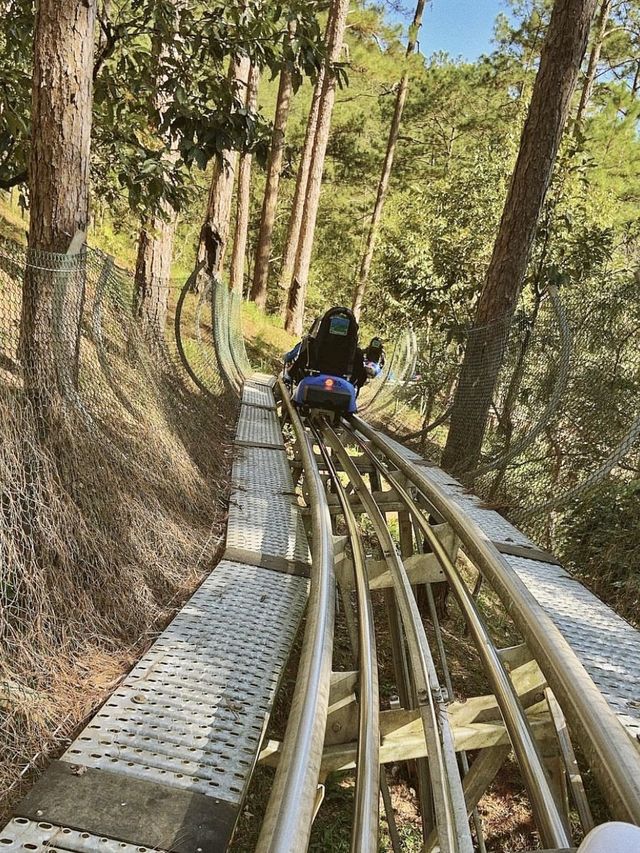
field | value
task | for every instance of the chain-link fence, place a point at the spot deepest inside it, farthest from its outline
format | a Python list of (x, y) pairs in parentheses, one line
[(564, 418), (113, 467), (388, 389)]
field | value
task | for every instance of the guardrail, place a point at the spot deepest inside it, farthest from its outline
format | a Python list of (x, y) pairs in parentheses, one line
[(608, 748), (287, 822)]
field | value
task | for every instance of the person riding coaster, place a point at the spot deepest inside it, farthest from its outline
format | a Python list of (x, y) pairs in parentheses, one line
[(326, 369)]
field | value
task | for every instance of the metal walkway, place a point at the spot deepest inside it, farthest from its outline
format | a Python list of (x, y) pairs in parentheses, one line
[(607, 646), (166, 761)]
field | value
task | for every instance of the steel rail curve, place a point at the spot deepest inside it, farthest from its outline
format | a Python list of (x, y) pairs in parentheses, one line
[(452, 824), (289, 816), (550, 821), (364, 835), (607, 746)]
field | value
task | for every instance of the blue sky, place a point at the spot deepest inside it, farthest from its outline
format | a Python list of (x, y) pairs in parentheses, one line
[(459, 27)]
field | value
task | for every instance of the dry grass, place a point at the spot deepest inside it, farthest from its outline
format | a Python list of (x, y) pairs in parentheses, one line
[(110, 518)]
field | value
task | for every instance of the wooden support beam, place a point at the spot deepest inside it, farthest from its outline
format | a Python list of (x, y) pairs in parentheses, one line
[(421, 568), (475, 783), (407, 741), (476, 724), (361, 462), (482, 773), (388, 502), (514, 656), (573, 775), (343, 685)]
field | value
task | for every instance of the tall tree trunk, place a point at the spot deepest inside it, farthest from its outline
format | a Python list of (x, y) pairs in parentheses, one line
[(155, 241), (58, 185), (636, 80), (214, 233), (383, 185), (592, 67), (270, 201), (297, 205), (236, 272), (297, 290), (562, 55), (153, 270)]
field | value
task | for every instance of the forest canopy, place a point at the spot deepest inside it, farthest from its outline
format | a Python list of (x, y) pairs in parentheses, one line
[(261, 138)]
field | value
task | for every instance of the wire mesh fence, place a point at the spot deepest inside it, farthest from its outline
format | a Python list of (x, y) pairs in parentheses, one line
[(564, 418), (113, 468), (112, 497)]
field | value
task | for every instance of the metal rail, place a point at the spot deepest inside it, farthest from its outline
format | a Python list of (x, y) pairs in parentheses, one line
[(364, 834), (290, 811), (549, 819), (451, 818), (607, 746)]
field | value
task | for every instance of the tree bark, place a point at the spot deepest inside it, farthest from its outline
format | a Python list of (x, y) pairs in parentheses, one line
[(383, 185), (214, 233), (297, 290), (562, 55), (592, 67), (297, 205), (58, 186), (236, 272), (155, 241), (153, 271), (270, 201)]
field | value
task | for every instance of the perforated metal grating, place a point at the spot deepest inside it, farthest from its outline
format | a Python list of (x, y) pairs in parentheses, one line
[(607, 646), (497, 528), (22, 834), (262, 379), (406, 452), (258, 426), (269, 524), (260, 469), (258, 395), (448, 483), (192, 712)]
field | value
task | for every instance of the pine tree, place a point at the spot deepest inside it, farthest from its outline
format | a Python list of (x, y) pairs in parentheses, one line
[(562, 55), (59, 187), (297, 289), (383, 185)]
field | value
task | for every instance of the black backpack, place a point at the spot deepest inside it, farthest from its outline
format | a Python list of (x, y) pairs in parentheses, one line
[(333, 342), (375, 351)]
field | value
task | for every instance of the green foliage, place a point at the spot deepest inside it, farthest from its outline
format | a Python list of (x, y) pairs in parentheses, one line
[(161, 83), (15, 90), (599, 533)]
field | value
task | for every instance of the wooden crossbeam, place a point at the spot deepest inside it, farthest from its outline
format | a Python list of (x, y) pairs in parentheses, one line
[(421, 568), (476, 724)]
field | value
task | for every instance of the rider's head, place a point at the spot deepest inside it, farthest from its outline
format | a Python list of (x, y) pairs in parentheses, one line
[(375, 349)]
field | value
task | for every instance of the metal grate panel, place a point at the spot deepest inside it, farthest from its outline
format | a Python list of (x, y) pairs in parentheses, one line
[(258, 426), (259, 469), (406, 452), (607, 645), (258, 395), (267, 525), (262, 379), (22, 834), (191, 713), (446, 482), (497, 528)]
